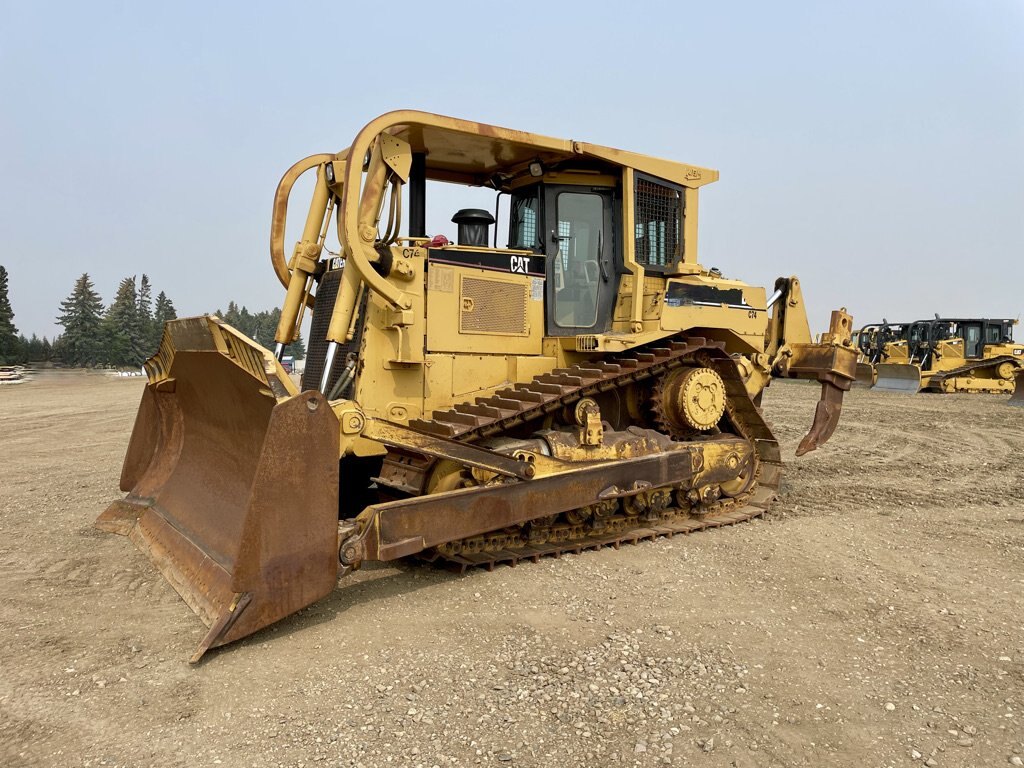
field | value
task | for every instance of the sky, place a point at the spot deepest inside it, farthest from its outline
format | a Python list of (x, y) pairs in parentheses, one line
[(875, 149)]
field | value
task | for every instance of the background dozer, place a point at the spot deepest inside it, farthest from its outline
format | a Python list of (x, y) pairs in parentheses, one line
[(871, 341), (587, 384), (953, 355)]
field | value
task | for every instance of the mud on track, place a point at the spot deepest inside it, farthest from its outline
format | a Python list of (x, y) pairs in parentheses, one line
[(875, 615)]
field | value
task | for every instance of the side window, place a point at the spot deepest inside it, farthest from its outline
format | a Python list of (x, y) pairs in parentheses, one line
[(523, 222), (992, 334), (658, 218)]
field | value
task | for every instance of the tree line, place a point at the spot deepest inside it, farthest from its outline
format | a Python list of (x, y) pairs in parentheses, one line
[(122, 334), (260, 327)]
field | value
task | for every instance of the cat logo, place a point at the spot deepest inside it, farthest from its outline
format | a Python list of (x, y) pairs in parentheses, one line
[(519, 264)]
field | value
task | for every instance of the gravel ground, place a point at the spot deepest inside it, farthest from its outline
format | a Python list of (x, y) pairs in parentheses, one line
[(874, 618)]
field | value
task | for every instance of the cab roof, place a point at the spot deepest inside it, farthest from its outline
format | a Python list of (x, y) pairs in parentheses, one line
[(468, 152)]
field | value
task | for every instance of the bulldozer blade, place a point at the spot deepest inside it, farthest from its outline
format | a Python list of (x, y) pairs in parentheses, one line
[(865, 375), (232, 490), (1017, 398), (898, 377)]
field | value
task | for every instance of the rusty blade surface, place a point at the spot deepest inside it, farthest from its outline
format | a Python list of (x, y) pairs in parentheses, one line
[(232, 493)]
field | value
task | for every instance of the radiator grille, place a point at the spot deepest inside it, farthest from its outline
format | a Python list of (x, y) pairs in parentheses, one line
[(493, 306), (316, 349)]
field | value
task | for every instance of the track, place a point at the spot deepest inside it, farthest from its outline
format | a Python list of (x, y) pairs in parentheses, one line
[(608, 523), (936, 380)]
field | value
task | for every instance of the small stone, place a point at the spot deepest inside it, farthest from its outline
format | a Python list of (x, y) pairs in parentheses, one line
[(640, 747), (889, 706), (931, 762), (505, 757), (965, 741), (914, 754), (1015, 760), (709, 744)]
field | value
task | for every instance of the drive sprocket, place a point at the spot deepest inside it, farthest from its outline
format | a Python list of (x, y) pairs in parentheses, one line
[(687, 401)]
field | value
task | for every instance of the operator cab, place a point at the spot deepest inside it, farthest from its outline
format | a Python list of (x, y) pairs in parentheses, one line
[(977, 334), (578, 227), (570, 230)]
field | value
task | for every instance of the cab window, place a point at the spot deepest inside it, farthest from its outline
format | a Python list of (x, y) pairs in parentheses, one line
[(577, 269), (658, 220), (523, 224)]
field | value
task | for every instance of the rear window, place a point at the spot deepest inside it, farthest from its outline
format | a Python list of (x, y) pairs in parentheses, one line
[(658, 218)]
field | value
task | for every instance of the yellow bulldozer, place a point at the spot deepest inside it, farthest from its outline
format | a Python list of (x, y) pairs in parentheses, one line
[(872, 343), (954, 355), (587, 384)]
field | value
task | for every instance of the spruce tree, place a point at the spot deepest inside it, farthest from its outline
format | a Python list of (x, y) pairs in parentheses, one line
[(145, 316), (81, 315), (122, 329), (162, 313), (59, 350), (8, 333), (34, 350), (20, 354)]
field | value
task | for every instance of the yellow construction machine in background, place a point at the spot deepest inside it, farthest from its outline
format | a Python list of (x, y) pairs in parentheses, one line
[(872, 343), (953, 355), (585, 384)]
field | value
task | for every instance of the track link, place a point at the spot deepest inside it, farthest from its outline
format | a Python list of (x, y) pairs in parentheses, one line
[(645, 531)]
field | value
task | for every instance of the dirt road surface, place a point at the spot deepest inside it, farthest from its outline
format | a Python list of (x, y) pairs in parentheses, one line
[(875, 618)]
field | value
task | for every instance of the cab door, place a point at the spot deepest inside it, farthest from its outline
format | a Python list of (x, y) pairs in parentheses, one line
[(581, 260), (972, 340)]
